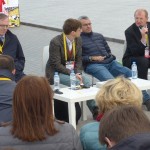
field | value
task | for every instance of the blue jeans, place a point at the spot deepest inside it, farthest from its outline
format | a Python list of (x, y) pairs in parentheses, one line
[(65, 80), (104, 72), (111, 70)]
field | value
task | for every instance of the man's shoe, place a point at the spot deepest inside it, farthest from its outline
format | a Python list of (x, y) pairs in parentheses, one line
[(147, 104), (95, 112)]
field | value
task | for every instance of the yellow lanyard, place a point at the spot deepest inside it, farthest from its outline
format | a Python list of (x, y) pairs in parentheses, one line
[(147, 40), (4, 79), (65, 47), (1, 47)]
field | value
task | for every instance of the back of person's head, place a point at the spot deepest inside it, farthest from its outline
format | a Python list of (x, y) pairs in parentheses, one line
[(71, 25), (141, 10), (32, 109), (116, 92), (7, 63), (3, 16), (121, 123)]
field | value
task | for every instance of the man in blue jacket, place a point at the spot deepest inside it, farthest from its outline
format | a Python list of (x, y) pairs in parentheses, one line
[(98, 59), (7, 86), (10, 45)]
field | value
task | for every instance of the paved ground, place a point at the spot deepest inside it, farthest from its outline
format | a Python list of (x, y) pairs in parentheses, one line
[(33, 40), (110, 17)]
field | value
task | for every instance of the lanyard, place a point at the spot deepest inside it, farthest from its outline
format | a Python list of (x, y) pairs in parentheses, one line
[(1, 47), (147, 40), (4, 78), (65, 47)]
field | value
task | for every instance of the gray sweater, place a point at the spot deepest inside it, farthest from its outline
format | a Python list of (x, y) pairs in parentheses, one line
[(66, 139)]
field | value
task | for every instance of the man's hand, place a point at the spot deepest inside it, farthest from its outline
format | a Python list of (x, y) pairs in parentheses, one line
[(143, 31), (79, 77), (98, 58)]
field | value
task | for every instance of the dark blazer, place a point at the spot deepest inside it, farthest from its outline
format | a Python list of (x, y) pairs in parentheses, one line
[(135, 47), (139, 141), (12, 47), (57, 62), (6, 94)]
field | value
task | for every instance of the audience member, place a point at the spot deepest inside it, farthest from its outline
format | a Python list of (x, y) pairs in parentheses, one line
[(138, 38), (98, 60), (7, 85), (128, 129), (10, 45), (34, 126), (65, 54), (115, 92)]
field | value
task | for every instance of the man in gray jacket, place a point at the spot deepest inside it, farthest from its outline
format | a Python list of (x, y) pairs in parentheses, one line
[(7, 85)]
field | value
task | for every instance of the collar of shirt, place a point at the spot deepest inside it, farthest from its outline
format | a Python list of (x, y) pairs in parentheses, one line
[(143, 26), (2, 37), (69, 43)]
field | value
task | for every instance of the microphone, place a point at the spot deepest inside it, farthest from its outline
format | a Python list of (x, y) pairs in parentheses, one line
[(141, 28)]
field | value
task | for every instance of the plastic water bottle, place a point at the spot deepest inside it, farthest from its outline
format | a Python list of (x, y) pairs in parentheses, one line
[(72, 80), (134, 70), (56, 81)]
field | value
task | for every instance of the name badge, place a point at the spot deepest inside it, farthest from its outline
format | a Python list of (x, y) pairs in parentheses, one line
[(70, 65)]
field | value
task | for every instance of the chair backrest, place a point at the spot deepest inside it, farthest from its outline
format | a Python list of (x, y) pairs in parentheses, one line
[(45, 57)]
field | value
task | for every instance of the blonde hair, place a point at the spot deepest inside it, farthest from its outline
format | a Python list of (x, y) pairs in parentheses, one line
[(117, 92)]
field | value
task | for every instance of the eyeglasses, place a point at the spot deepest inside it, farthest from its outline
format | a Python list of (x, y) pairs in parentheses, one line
[(88, 24), (4, 26)]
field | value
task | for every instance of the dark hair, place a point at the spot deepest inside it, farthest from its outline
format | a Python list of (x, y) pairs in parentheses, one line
[(3, 16), (71, 25), (33, 116), (7, 62), (122, 122)]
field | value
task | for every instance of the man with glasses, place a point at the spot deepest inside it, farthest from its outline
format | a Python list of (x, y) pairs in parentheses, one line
[(10, 45), (98, 59)]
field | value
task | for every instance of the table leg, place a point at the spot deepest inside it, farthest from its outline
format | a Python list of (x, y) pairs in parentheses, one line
[(83, 108), (72, 116)]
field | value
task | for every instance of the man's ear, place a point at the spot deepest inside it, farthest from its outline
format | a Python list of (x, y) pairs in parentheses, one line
[(110, 143), (14, 71)]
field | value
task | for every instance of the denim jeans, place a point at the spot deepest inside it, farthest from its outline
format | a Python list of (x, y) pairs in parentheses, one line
[(104, 72), (111, 70), (65, 80)]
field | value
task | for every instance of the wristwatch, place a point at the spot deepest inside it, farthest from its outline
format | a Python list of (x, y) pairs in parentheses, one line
[(90, 58)]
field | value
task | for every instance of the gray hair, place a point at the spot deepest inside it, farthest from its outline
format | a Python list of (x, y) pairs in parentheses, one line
[(83, 17), (3, 16)]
